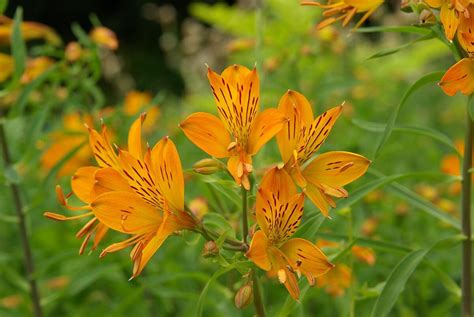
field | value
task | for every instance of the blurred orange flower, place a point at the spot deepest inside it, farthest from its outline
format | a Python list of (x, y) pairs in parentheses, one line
[(279, 209), (364, 254), (301, 136), (459, 77), (35, 67), (336, 281), (241, 130), (104, 37), (73, 51), (29, 31), (369, 226), (137, 101), (346, 9), (6, 65)]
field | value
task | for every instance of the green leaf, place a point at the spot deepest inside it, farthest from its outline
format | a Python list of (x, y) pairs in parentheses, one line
[(434, 134), (391, 51), (3, 5), (217, 223), (427, 79), (18, 46), (470, 107), (398, 29), (225, 187)]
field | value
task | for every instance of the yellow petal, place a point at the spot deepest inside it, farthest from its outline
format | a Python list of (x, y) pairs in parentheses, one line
[(266, 125), (460, 77), (434, 3), (240, 167), (104, 37), (100, 145), (208, 133), (135, 137), (82, 182), (258, 251), (278, 181), (296, 108), (307, 258), (316, 195), (280, 265), (364, 5), (126, 212), (108, 179), (449, 18), (169, 173), (332, 170)]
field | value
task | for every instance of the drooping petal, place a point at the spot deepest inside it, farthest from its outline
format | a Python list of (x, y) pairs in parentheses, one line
[(316, 133), (135, 137), (264, 127), (316, 195), (126, 212), (281, 268), (208, 133), (83, 181), (169, 173), (297, 109), (257, 252), (307, 258), (332, 170), (460, 77), (450, 19)]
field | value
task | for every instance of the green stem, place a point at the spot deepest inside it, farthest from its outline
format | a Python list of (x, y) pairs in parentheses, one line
[(351, 264), (28, 257), (257, 296), (466, 279), (245, 224)]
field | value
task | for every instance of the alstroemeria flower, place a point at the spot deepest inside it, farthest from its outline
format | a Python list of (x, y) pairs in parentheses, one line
[(336, 281), (29, 31), (104, 37), (325, 176), (241, 130), (459, 77), (451, 14), (279, 209), (346, 9)]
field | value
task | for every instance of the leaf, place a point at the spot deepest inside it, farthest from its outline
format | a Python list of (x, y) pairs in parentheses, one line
[(391, 51), (429, 78), (398, 29), (3, 5), (18, 46), (217, 223), (432, 133), (225, 187)]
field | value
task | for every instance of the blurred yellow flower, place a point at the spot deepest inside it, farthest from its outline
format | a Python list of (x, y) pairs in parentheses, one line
[(301, 136), (241, 130), (104, 37), (346, 9), (136, 102), (29, 30), (279, 209), (6, 66), (459, 77), (364, 254), (336, 281), (35, 67), (199, 207), (73, 51), (451, 14)]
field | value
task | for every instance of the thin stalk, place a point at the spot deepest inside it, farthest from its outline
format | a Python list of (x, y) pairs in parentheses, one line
[(257, 296), (245, 223), (466, 278), (28, 257), (351, 264)]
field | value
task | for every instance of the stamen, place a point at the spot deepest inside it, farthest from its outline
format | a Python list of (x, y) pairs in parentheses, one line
[(59, 217)]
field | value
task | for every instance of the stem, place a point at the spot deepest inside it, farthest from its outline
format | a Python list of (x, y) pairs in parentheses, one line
[(466, 279), (245, 224), (257, 296), (28, 258), (351, 264)]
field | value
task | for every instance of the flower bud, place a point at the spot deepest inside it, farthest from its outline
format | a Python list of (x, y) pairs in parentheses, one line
[(208, 166), (104, 37), (244, 296), (210, 249), (73, 51)]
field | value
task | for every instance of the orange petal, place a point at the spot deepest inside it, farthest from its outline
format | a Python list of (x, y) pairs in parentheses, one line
[(208, 133), (307, 258), (449, 18), (434, 3), (169, 173), (316, 195), (296, 108), (258, 251), (332, 170), (239, 167), (135, 137), (278, 181), (460, 77), (82, 182), (126, 212), (100, 145), (109, 179), (266, 125), (281, 266)]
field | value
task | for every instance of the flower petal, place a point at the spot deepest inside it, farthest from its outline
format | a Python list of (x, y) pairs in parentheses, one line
[(296, 108), (108, 179), (434, 3), (278, 181), (449, 18), (135, 137), (280, 266), (82, 182), (266, 125), (316, 195), (126, 212), (460, 77), (100, 145), (240, 167), (307, 258), (257, 252), (208, 133)]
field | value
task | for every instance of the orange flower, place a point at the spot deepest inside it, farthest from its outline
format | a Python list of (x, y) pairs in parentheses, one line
[(6, 65), (451, 14), (35, 67), (136, 101), (73, 51), (346, 9), (241, 130), (104, 37), (29, 31), (336, 280), (459, 77), (364, 254), (279, 209), (325, 176)]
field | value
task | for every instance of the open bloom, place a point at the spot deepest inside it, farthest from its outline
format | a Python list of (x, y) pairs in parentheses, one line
[(452, 13), (325, 176), (345, 10), (279, 209), (241, 130), (459, 77)]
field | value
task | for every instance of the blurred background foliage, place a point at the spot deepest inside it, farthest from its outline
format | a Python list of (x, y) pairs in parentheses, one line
[(159, 67)]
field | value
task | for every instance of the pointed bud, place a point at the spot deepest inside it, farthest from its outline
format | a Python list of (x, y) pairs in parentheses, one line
[(244, 296), (208, 166), (210, 249)]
